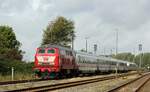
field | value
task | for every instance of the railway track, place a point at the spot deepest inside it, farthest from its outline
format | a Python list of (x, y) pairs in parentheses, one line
[(20, 81), (69, 84), (135, 85)]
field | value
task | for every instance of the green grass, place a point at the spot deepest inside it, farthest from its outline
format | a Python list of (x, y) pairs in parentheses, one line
[(17, 76)]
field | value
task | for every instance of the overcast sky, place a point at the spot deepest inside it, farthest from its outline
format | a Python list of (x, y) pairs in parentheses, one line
[(96, 19)]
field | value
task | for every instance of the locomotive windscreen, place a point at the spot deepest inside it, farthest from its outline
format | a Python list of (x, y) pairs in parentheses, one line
[(41, 51), (50, 51)]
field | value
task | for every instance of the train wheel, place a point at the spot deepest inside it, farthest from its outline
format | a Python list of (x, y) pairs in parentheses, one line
[(36, 73), (60, 75), (44, 75), (52, 75)]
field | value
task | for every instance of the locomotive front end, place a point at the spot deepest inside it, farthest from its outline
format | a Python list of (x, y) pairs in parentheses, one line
[(46, 64)]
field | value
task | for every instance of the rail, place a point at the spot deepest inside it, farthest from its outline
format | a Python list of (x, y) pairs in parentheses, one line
[(20, 81), (69, 84), (115, 89)]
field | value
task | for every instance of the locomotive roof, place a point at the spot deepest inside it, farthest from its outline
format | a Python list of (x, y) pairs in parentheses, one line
[(55, 46)]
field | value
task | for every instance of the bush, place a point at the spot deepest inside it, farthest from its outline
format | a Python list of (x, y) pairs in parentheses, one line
[(19, 67)]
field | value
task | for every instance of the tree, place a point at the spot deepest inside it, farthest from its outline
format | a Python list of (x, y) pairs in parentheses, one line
[(125, 56), (145, 59), (83, 50), (60, 31), (9, 45)]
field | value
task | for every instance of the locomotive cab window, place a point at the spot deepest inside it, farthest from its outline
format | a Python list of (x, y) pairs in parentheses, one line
[(50, 51), (41, 51)]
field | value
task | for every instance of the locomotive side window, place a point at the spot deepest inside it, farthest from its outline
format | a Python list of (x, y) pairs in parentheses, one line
[(51, 51), (41, 51), (68, 53), (62, 52)]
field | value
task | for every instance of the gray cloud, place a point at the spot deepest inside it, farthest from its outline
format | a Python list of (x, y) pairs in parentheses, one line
[(125, 13), (96, 19)]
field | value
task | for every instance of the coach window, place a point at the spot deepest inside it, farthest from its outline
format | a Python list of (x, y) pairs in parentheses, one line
[(120, 64), (67, 53), (114, 63), (89, 61), (98, 61), (83, 60), (70, 53), (51, 51), (106, 62), (79, 59)]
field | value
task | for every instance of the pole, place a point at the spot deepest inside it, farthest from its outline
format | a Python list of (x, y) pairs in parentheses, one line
[(134, 55), (95, 48), (72, 43), (140, 52), (116, 41), (140, 60), (111, 52), (86, 43), (12, 73), (104, 51), (116, 70)]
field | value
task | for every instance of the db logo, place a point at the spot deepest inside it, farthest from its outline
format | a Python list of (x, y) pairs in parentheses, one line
[(45, 58)]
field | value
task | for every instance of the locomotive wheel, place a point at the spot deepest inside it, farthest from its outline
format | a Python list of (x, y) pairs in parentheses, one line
[(37, 73), (52, 75), (45, 75)]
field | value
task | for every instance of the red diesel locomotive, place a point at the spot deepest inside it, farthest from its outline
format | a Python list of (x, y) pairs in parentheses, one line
[(52, 61)]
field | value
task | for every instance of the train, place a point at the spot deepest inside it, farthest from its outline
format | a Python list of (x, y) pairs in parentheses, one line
[(55, 61)]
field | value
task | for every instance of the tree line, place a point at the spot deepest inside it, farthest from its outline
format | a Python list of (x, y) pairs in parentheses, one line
[(58, 31), (143, 57)]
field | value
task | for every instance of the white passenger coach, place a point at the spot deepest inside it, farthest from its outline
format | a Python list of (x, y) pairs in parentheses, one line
[(89, 63)]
